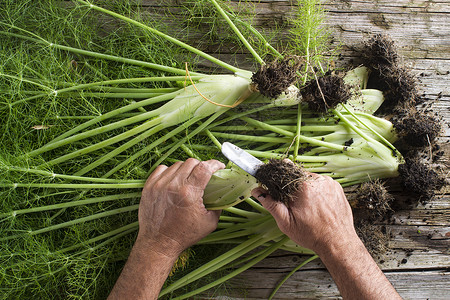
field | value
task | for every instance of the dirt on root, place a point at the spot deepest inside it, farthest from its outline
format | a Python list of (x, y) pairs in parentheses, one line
[(417, 128), (371, 201), (374, 237), (274, 78), (282, 178), (326, 92), (388, 74), (419, 178)]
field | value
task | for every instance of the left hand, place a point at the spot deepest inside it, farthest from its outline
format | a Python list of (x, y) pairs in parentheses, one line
[(172, 216)]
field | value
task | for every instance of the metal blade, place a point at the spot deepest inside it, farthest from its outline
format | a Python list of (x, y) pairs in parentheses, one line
[(241, 158)]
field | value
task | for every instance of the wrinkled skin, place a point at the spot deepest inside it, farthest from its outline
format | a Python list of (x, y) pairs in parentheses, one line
[(171, 211), (319, 215), (172, 218)]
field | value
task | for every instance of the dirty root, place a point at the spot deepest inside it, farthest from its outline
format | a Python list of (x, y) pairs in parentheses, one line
[(282, 178), (396, 81), (419, 178), (325, 92), (274, 78)]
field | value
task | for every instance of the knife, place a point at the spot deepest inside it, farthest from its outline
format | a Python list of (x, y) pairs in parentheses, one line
[(241, 158)]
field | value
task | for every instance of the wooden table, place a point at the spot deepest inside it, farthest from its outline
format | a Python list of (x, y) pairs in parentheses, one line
[(418, 260)]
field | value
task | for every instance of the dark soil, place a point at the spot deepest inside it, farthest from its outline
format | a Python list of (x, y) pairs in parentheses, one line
[(417, 129), (373, 237), (274, 78), (325, 92), (282, 178), (372, 201), (396, 81), (381, 50), (419, 178)]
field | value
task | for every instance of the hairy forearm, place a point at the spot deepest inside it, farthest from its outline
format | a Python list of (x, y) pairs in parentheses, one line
[(143, 274), (355, 272)]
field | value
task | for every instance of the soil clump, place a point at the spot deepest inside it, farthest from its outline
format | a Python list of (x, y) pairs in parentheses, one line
[(282, 178), (274, 78), (325, 92), (419, 178), (396, 81)]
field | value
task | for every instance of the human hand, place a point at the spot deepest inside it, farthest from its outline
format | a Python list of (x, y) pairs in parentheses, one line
[(319, 217), (172, 216)]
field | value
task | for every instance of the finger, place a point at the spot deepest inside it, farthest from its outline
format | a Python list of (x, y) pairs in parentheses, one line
[(186, 168), (310, 175), (202, 172), (278, 210), (262, 195), (155, 175), (171, 171)]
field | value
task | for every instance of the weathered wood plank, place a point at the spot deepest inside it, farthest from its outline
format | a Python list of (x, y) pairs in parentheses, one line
[(317, 284), (392, 260)]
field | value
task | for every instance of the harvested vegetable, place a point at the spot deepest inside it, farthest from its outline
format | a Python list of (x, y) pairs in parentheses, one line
[(112, 114)]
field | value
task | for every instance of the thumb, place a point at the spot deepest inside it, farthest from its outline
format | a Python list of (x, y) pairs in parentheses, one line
[(277, 209)]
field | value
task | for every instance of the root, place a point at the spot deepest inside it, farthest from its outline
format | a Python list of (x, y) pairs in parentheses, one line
[(282, 178), (273, 79), (325, 92)]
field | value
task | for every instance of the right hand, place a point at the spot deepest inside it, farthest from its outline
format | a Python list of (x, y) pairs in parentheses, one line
[(318, 217)]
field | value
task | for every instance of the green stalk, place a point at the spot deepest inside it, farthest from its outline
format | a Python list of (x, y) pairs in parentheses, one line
[(238, 33), (256, 206), (27, 81), (262, 254), (257, 34), (291, 134), (67, 137), (308, 38), (298, 130), (96, 54), (149, 128), (106, 95), (252, 138), (142, 90), (69, 177), (219, 262), (137, 185), (213, 139), (235, 115), (101, 84), (354, 128), (165, 36), (127, 228), (267, 126), (248, 224), (73, 222), (190, 135), (236, 234), (290, 274), (232, 219), (27, 99), (241, 212), (147, 148), (71, 204)]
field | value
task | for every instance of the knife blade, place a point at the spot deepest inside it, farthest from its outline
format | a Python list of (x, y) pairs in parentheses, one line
[(241, 158)]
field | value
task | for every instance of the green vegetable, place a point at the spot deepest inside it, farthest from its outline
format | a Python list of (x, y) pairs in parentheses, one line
[(86, 123)]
